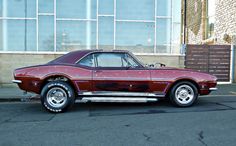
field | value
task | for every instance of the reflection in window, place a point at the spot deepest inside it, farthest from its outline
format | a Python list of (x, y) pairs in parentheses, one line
[(87, 61), (106, 33), (136, 37), (110, 59), (210, 18), (135, 10), (46, 33), (46, 6), (163, 35), (106, 7), (82, 9), (76, 35), (18, 8), (18, 35), (129, 62), (176, 20), (164, 7), (1, 8)]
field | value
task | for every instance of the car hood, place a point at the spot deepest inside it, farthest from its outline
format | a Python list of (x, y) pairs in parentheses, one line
[(199, 74)]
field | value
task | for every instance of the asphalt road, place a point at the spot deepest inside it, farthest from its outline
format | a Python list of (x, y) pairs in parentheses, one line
[(211, 122)]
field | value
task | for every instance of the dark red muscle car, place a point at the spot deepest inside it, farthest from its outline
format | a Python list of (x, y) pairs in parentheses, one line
[(110, 76)]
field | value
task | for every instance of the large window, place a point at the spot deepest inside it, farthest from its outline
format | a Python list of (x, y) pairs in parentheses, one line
[(133, 10), (18, 35), (136, 37), (143, 26)]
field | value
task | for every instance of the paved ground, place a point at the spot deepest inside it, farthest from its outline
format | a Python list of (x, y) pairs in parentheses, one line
[(210, 122)]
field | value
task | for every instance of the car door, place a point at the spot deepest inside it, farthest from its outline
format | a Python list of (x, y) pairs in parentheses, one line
[(112, 73), (139, 76)]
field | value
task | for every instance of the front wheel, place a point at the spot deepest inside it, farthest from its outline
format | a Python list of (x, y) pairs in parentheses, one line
[(57, 96), (184, 94)]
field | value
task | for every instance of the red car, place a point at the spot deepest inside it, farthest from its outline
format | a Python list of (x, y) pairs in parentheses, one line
[(110, 76)]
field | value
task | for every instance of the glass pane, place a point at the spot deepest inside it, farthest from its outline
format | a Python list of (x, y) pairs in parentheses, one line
[(163, 35), (135, 10), (164, 7), (136, 37), (46, 6), (18, 35), (106, 7), (18, 8), (83, 9), (106, 33), (1, 9), (176, 38), (176, 4), (87, 61), (176, 33), (46, 33), (105, 59), (76, 35), (210, 26)]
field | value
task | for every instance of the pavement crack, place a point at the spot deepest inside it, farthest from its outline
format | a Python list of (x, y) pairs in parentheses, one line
[(201, 138), (224, 105), (146, 137)]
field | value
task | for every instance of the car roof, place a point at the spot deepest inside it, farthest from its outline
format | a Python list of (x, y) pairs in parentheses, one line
[(74, 56)]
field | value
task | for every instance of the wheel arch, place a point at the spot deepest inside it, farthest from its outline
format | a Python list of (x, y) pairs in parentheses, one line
[(58, 77), (182, 80)]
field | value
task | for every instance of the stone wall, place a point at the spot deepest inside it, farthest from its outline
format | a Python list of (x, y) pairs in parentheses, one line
[(11, 61), (225, 19), (225, 24), (195, 21)]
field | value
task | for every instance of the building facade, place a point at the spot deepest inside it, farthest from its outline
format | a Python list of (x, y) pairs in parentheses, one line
[(36, 31), (212, 22)]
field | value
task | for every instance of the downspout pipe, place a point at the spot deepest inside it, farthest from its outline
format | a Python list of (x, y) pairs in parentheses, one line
[(185, 20)]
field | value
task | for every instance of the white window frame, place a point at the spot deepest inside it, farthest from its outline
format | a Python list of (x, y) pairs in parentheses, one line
[(154, 21)]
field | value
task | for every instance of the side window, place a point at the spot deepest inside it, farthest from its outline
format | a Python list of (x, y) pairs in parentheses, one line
[(130, 62), (87, 61), (110, 59)]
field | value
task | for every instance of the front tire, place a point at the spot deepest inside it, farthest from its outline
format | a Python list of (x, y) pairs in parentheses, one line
[(184, 94), (57, 96)]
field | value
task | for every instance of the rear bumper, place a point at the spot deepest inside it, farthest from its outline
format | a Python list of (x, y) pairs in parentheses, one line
[(17, 81)]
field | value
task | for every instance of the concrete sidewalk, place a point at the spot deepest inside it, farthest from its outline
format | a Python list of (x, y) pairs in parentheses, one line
[(15, 94)]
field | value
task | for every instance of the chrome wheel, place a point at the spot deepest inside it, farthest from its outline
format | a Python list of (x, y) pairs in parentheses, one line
[(56, 97), (184, 94)]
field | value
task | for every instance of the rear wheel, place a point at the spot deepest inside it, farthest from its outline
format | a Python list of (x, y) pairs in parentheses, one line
[(57, 96), (184, 94)]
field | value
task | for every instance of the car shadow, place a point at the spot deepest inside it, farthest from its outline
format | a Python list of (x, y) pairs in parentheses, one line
[(113, 109)]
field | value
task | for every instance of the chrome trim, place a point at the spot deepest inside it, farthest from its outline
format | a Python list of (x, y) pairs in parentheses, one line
[(17, 81), (115, 99), (120, 94), (212, 89)]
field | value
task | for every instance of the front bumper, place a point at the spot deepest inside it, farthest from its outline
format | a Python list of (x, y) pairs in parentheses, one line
[(213, 89), (17, 81)]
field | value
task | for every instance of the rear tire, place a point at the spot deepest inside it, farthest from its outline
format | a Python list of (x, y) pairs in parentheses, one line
[(57, 96), (183, 94)]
